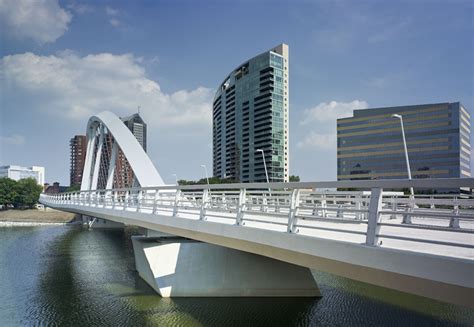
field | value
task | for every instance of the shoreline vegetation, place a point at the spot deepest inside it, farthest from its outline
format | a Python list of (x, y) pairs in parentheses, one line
[(32, 217)]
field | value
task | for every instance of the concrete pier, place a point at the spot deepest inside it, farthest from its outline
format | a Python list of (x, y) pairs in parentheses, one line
[(177, 267)]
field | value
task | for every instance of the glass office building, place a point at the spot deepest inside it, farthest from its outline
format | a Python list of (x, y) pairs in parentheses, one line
[(250, 112), (370, 145)]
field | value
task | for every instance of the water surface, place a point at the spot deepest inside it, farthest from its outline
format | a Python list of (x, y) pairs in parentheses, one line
[(71, 276)]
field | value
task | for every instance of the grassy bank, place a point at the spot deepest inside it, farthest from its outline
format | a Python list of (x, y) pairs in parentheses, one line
[(37, 216)]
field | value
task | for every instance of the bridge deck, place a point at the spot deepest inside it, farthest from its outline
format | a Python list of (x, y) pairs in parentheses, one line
[(422, 245)]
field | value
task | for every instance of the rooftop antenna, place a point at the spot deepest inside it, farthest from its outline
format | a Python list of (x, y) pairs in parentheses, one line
[(138, 109)]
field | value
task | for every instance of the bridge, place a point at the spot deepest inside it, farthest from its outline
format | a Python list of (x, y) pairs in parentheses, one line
[(262, 239)]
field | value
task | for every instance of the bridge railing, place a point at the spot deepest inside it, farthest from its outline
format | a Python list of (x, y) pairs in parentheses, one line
[(373, 212)]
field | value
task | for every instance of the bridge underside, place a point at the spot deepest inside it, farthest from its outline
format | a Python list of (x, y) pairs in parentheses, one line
[(436, 277), (177, 267)]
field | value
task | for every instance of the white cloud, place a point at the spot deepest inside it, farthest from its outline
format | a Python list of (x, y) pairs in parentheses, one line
[(322, 121), (316, 140), (42, 21), (74, 87), (114, 22), (111, 11), (325, 112), (80, 8), (14, 139)]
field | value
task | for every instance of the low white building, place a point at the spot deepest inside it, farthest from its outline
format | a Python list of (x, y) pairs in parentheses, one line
[(19, 172)]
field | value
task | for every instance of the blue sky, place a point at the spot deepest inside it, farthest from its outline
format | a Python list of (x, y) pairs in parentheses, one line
[(63, 61)]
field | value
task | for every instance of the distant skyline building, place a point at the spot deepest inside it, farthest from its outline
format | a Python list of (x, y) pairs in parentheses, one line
[(123, 173), (19, 172), (250, 112), (369, 144), (78, 148), (138, 127), (124, 176)]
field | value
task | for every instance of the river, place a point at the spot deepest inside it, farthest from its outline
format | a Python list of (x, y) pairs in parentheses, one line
[(71, 276)]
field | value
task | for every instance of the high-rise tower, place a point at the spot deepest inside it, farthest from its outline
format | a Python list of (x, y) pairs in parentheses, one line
[(78, 145), (250, 113), (124, 176)]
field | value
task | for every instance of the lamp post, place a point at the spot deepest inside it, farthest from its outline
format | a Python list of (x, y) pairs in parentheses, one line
[(405, 147), (205, 170), (264, 163)]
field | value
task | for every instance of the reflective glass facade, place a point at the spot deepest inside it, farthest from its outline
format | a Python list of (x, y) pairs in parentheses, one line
[(250, 112), (370, 146)]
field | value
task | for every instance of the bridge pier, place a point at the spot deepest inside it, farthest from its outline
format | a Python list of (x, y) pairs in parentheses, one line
[(178, 267)]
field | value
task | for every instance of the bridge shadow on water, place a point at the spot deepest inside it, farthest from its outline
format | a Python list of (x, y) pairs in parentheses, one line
[(79, 277)]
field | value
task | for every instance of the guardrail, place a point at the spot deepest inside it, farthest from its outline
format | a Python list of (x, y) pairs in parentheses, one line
[(368, 216)]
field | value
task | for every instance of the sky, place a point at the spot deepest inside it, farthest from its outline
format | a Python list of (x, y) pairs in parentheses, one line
[(63, 61)]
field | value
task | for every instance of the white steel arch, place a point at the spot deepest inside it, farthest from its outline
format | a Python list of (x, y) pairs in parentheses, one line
[(143, 169)]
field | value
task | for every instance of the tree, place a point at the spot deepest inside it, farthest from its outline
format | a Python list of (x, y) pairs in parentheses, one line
[(294, 178), (28, 192), (73, 188), (8, 192), (212, 180)]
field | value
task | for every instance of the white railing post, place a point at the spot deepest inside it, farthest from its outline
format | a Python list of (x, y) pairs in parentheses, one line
[(114, 199), (358, 206), (293, 211), (240, 207), (155, 199), (139, 200), (264, 206), (205, 198), (454, 221), (375, 205), (224, 201), (410, 208), (176, 202), (323, 205), (394, 207), (125, 202)]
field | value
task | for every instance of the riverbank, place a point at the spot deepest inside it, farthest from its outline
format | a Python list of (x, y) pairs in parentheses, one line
[(31, 217)]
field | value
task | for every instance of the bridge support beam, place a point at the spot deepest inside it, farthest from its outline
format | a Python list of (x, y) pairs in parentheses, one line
[(177, 267), (100, 223)]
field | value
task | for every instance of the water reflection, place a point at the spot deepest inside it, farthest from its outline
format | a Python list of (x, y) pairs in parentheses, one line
[(72, 276)]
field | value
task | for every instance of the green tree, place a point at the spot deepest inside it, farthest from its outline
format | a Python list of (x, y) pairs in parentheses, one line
[(294, 178), (212, 180), (28, 192), (73, 188), (8, 191)]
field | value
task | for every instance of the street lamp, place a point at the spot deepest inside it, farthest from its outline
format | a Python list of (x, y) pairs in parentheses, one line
[(264, 163), (405, 147), (205, 170), (176, 178)]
